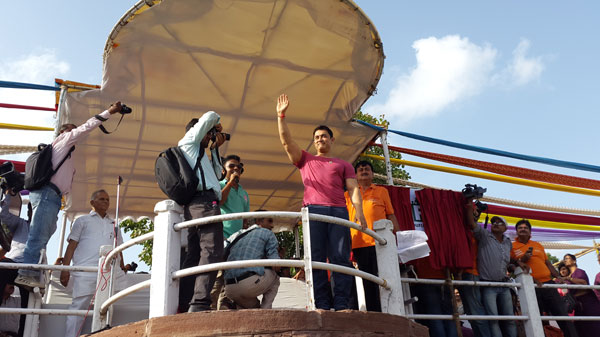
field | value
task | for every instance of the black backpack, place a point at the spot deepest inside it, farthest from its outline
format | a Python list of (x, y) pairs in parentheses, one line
[(174, 175), (38, 167)]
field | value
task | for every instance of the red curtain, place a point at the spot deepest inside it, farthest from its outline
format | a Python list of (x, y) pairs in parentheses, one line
[(443, 218), (400, 197)]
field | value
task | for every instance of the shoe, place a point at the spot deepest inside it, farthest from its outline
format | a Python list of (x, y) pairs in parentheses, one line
[(198, 308), (29, 282)]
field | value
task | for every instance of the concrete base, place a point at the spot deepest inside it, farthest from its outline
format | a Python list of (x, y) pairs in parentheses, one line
[(278, 323)]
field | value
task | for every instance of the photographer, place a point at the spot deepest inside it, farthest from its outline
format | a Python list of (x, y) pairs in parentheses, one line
[(205, 242), (46, 201), (493, 257)]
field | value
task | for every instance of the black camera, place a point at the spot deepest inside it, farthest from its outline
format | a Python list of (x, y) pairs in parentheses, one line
[(472, 191), (213, 134), (9, 178), (125, 110), (481, 207)]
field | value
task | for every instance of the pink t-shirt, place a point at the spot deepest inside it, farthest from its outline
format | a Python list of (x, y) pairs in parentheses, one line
[(324, 179)]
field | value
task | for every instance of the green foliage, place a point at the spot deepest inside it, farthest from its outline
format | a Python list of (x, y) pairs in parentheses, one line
[(138, 228), (286, 240), (553, 259), (379, 165)]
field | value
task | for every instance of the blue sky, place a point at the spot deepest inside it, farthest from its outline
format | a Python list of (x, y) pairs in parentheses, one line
[(517, 76)]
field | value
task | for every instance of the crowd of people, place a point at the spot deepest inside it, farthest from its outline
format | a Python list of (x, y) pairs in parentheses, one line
[(495, 259), (332, 187)]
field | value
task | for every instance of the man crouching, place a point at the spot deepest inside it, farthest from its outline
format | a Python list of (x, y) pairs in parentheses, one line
[(244, 285)]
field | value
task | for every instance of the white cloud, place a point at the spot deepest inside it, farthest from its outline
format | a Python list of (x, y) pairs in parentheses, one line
[(451, 69), (37, 68), (448, 69), (522, 69)]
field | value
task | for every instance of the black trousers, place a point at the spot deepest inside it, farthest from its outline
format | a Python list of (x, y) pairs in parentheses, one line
[(366, 258), (205, 246), (549, 301)]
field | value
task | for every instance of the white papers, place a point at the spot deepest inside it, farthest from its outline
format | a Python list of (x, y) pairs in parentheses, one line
[(412, 245)]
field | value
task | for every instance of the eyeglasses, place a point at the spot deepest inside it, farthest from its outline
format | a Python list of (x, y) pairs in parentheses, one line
[(498, 223)]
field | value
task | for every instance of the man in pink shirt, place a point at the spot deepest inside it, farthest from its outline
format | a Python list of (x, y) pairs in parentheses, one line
[(324, 181), (46, 201)]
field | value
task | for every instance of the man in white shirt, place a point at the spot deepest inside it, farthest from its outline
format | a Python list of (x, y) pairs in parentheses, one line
[(88, 233)]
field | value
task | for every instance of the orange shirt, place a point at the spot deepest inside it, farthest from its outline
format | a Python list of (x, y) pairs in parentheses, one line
[(537, 263), (376, 206), (473, 270)]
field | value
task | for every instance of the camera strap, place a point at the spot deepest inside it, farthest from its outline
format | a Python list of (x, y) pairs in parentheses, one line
[(103, 129)]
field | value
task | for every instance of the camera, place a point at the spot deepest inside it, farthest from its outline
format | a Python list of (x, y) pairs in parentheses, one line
[(481, 207), (213, 134), (125, 110), (472, 191), (9, 178)]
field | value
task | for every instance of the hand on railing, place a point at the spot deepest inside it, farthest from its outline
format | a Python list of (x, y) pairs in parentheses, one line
[(64, 275)]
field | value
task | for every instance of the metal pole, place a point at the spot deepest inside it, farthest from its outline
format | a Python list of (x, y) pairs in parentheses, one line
[(297, 241), (111, 280), (61, 240), (61, 102), (386, 155), (308, 275)]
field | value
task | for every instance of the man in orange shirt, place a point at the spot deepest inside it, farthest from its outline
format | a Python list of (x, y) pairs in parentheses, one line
[(376, 206), (531, 256)]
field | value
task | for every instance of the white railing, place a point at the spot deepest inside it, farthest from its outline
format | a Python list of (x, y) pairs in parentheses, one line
[(164, 282)]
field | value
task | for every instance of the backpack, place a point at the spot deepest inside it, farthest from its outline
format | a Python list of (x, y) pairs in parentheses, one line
[(38, 167), (175, 177)]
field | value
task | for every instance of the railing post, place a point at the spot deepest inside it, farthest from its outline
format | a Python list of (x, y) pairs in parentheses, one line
[(529, 305), (166, 252), (308, 275), (392, 300), (386, 155), (99, 321)]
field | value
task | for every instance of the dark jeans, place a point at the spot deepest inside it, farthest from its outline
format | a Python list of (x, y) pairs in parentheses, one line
[(473, 305), (366, 258), (329, 241), (549, 301), (205, 246), (434, 300)]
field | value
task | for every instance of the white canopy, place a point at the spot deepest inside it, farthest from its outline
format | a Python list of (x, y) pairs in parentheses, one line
[(177, 59)]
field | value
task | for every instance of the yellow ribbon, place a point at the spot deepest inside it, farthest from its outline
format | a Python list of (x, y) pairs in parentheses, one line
[(490, 176)]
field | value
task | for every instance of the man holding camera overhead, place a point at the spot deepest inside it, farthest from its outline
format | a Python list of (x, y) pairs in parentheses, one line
[(46, 201), (205, 242)]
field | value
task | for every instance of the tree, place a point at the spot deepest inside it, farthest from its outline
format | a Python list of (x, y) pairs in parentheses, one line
[(379, 165), (553, 259), (138, 228)]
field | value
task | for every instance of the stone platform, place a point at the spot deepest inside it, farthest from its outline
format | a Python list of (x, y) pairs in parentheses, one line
[(271, 323)]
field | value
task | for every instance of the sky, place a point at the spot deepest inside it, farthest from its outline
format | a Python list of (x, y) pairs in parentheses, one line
[(519, 76)]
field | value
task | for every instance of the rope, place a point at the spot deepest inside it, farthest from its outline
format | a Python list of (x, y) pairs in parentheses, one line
[(15, 149), (508, 170), (548, 161), (24, 127), (25, 107), (502, 201), (491, 176)]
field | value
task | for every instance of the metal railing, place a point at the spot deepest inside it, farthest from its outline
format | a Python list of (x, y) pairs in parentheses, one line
[(164, 283)]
